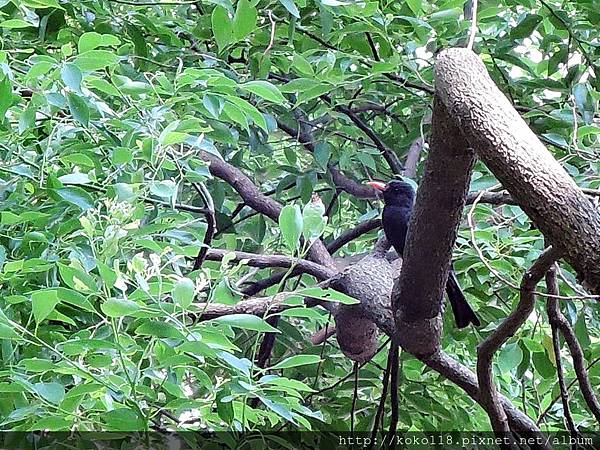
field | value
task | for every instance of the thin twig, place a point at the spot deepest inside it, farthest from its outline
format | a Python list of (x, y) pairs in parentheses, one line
[(381, 407), (473, 18), (554, 313), (265, 261), (341, 380), (272, 36), (558, 320), (394, 352), (210, 223), (354, 397)]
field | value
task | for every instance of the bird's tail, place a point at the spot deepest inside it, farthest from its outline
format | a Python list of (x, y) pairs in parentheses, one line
[(463, 314)]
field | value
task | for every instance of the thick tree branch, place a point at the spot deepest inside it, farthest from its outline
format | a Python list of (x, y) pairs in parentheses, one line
[(488, 348), (545, 412), (264, 261), (257, 306), (431, 236), (371, 282), (412, 158), (502, 139)]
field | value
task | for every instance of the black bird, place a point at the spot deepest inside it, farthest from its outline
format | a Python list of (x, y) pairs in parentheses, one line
[(399, 197)]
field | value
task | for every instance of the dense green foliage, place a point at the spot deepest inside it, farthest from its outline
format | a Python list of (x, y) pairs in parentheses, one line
[(105, 107)]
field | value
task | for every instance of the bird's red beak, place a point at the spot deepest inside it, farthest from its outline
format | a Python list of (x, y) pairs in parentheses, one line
[(378, 185)]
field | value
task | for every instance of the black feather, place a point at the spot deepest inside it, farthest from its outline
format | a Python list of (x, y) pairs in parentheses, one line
[(399, 198)]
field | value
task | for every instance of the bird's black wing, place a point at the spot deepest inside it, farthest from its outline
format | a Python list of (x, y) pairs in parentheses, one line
[(395, 226)]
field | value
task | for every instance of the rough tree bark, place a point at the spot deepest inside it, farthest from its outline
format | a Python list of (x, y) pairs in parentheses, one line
[(432, 231), (524, 166)]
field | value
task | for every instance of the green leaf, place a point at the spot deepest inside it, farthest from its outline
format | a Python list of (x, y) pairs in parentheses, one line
[(37, 365), (532, 345), (121, 155), (307, 313), (302, 65), (15, 23), (213, 104), (525, 27), (291, 7), (123, 419), (582, 332), (52, 423), (313, 218), (95, 60), (416, 6), (543, 365), (510, 357), (291, 224), (265, 90), (164, 189), (295, 361), (241, 364), (76, 278), (159, 330), (244, 21), (92, 40), (222, 294), (328, 295), (108, 275), (447, 15), (6, 332), (279, 409), (71, 75), (79, 109), (183, 292), (77, 197), (41, 4), (10, 218), (6, 99), (225, 409), (43, 303), (246, 322), (75, 178), (222, 27), (119, 307), (27, 119), (322, 154), (52, 392)]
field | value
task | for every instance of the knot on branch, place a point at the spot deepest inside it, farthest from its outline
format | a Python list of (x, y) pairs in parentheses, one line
[(371, 281), (421, 337), (356, 334)]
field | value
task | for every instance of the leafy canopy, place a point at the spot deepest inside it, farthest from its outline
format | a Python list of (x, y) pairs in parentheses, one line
[(106, 109)]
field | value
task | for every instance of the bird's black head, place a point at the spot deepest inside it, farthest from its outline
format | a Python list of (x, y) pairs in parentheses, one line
[(396, 193)]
